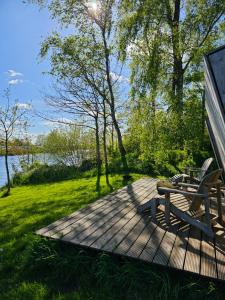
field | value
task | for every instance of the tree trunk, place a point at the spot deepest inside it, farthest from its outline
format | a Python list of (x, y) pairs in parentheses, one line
[(178, 71), (112, 108), (98, 155), (105, 147), (112, 138), (7, 167)]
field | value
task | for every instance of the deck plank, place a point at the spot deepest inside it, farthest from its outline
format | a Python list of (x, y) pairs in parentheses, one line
[(92, 230), (118, 238), (114, 224), (140, 243), (220, 256), (192, 259), (126, 244), (90, 212), (163, 252), (208, 261), (86, 221), (123, 230), (53, 226), (177, 256)]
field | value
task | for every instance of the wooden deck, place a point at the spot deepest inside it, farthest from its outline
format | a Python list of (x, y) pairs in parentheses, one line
[(112, 224)]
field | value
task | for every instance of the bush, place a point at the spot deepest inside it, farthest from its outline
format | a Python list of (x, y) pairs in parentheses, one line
[(87, 165), (164, 162), (44, 173)]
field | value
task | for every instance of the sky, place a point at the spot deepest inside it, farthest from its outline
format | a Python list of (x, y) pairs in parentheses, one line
[(22, 29)]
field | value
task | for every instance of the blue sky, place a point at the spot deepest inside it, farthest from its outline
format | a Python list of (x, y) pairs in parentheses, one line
[(22, 28)]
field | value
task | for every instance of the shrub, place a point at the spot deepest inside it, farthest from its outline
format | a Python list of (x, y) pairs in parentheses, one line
[(45, 173), (87, 165)]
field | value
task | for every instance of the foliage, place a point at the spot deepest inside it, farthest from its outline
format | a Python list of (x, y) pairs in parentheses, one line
[(37, 173), (164, 43), (153, 144), (19, 146), (162, 35), (35, 268), (82, 66), (69, 146)]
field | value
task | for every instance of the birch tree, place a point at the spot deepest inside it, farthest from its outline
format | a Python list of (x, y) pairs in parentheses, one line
[(12, 120), (93, 21)]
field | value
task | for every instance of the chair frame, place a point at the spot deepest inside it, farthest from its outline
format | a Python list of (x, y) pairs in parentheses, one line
[(201, 192), (190, 171)]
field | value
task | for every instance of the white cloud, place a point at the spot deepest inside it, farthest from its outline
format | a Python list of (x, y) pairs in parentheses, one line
[(15, 81), (119, 78), (13, 73), (25, 106)]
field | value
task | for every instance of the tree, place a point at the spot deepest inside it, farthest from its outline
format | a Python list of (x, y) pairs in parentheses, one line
[(12, 119), (94, 24), (76, 99), (69, 146), (165, 41)]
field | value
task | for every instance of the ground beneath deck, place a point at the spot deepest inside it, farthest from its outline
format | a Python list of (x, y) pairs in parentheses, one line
[(113, 224)]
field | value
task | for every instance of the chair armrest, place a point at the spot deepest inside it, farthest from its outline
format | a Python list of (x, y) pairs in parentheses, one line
[(215, 183), (174, 191), (188, 185), (193, 169)]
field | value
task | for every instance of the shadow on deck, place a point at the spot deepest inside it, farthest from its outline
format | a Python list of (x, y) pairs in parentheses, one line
[(113, 224)]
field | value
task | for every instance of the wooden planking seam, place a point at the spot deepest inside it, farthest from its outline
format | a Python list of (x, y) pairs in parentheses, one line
[(112, 244), (121, 225), (91, 228), (152, 244), (139, 244), (74, 218), (192, 258), (164, 250), (208, 257), (79, 215), (99, 241), (62, 220), (142, 240), (101, 223), (108, 207), (113, 206), (122, 233), (79, 226), (220, 257), (124, 246), (67, 218), (178, 253)]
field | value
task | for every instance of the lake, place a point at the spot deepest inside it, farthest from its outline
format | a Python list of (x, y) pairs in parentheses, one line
[(15, 161)]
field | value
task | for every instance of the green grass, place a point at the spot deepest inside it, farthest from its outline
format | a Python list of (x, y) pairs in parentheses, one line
[(32, 267)]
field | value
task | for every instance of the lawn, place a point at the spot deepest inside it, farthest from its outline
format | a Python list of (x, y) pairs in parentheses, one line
[(32, 267)]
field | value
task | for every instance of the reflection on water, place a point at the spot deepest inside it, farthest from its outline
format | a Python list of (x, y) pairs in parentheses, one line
[(14, 162)]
